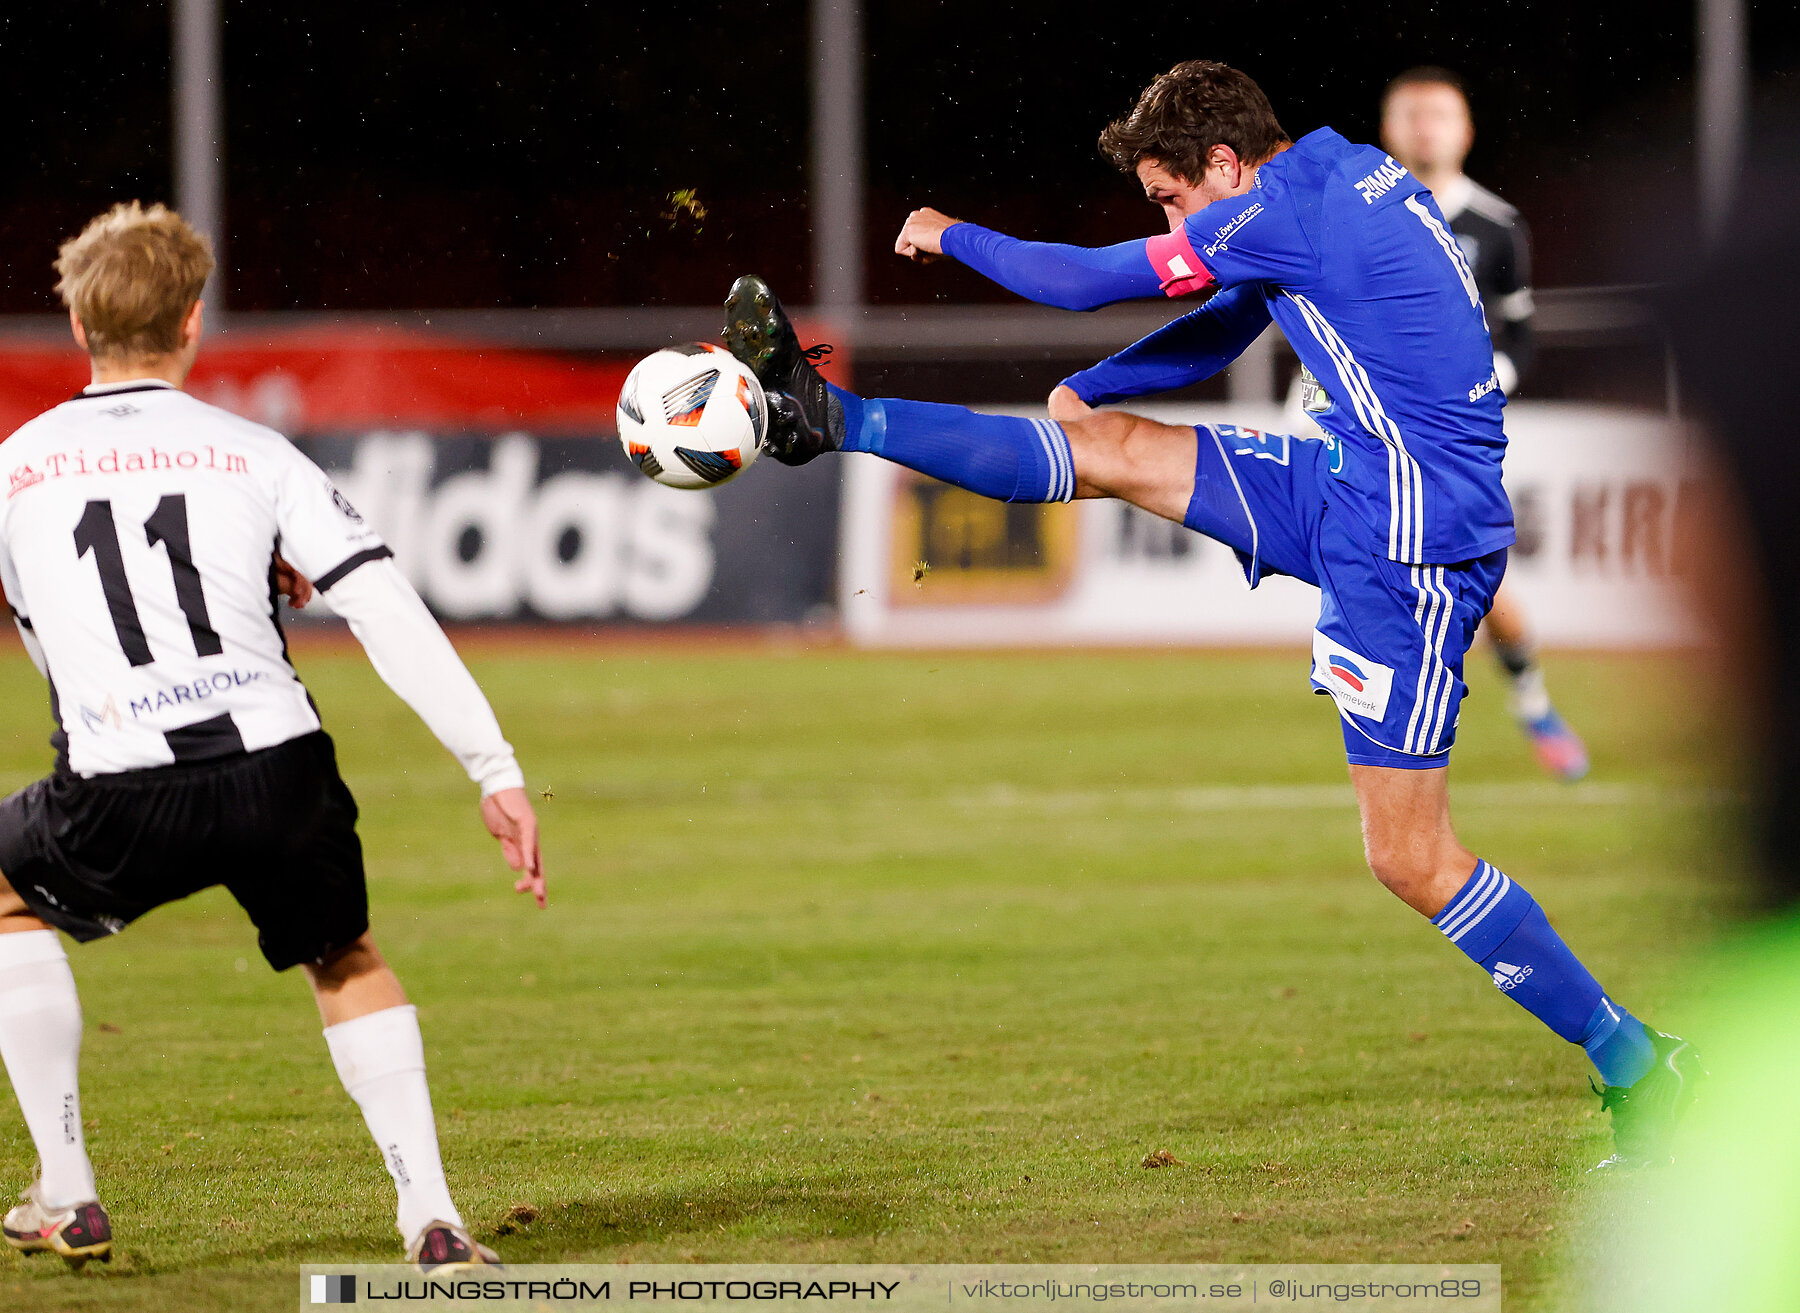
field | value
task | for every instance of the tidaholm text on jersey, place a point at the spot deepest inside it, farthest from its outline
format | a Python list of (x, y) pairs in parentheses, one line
[(62, 464)]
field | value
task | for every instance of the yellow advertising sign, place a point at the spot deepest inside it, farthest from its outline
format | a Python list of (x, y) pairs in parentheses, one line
[(953, 548)]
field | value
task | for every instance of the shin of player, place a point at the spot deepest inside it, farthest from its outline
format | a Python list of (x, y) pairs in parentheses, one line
[(1412, 849), (40, 1042), (373, 1035)]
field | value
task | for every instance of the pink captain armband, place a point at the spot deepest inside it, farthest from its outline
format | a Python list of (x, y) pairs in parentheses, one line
[(1173, 258)]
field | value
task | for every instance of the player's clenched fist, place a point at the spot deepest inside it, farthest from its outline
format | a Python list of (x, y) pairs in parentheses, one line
[(1066, 405), (922, 236)]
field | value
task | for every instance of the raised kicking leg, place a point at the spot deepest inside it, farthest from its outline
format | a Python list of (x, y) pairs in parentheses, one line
[(1173, 470), (1102, 454), (373, 1035), (40, 1043)]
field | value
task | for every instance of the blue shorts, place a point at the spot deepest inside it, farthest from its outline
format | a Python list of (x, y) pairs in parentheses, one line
[(1390, 640)]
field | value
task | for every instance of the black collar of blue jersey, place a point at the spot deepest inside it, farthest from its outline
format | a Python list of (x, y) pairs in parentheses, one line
[(120, 389)]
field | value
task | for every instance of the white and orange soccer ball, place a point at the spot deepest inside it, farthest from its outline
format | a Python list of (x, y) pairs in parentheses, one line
[(692, 416)]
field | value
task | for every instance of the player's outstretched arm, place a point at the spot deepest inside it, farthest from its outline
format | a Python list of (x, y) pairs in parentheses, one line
[(1183, 351), (414, 657), (1050, 273), (327, 547)]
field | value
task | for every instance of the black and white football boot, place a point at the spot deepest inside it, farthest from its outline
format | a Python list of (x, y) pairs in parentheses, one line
[(442, 1249), (76, 1233), (804, 418)]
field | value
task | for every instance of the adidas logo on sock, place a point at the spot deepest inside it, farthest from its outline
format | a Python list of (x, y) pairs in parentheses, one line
[(1506, 975)]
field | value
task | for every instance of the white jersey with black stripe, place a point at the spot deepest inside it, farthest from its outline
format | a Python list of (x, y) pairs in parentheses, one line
[(137, 539)]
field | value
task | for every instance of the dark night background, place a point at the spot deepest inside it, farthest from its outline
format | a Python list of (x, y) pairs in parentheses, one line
[(392, 154)]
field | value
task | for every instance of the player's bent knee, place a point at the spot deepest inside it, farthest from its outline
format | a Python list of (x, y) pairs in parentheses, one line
[(1097, 442), (1402, 870), (1134, 459)]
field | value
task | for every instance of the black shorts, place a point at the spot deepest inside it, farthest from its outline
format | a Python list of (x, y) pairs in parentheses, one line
[(276, 827)]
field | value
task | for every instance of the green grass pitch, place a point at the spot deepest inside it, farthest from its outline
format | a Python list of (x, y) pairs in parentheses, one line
[(898, 957)]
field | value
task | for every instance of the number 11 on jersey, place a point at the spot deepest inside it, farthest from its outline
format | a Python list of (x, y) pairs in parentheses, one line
[(98, 533)]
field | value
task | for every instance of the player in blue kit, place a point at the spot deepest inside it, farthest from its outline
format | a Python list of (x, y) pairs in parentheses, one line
[(1398, 515)]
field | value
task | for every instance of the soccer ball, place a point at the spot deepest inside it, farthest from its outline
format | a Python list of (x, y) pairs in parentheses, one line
[(691, 416)]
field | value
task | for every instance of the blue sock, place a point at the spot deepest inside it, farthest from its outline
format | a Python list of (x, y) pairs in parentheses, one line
[(1501, 926), (997, 456)]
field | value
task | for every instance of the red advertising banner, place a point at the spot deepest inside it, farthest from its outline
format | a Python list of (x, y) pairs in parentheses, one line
[(332, 379), (495, 476)]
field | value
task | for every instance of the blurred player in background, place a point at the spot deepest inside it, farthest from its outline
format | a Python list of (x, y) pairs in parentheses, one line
[(1397, 514), (138, 550), (1427, 127)]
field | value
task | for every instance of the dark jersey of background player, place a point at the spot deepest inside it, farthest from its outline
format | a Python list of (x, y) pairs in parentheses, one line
[(1426, 125), (1494, 238)]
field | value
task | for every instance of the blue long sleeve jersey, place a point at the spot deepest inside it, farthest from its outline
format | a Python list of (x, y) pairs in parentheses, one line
[(1350, 256), (1050, 273)]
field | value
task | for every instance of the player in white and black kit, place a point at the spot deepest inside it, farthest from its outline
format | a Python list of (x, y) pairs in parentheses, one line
[(144, 536), (1426, 126)]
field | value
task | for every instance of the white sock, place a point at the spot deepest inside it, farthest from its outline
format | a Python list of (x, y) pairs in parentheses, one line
[(381, 1060), (40, 1042), (1530, 699)]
